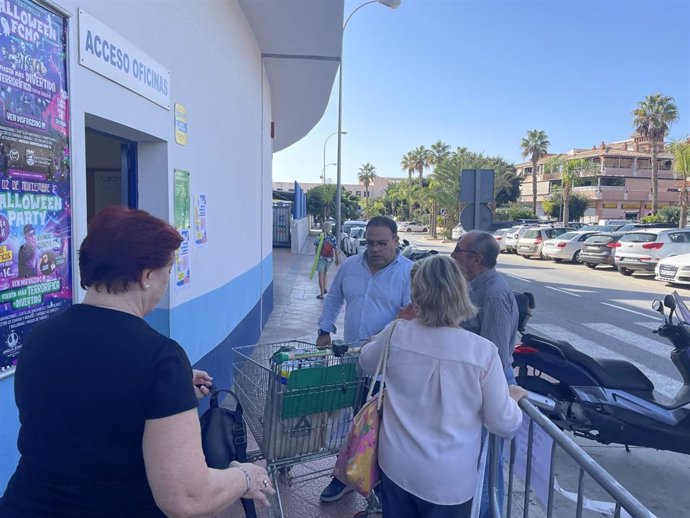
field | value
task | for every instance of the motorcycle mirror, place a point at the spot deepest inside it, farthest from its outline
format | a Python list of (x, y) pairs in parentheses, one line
[(656, 306), (670, 303), (406, 242)]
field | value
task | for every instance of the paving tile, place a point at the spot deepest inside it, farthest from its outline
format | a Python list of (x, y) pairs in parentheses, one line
[(295, 316)]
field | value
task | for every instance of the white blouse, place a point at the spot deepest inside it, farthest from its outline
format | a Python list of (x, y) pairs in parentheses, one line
[(442, 385)]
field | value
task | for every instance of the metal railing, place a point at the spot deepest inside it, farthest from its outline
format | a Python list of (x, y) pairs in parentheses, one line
[(621, 497)]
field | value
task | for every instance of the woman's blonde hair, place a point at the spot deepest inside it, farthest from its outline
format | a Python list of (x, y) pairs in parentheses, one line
[(440, 293)]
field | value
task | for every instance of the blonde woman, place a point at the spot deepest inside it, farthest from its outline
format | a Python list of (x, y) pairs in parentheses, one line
[(443, 384)]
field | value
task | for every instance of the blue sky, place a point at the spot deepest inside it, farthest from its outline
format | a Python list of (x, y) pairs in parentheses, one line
[(480, 74)]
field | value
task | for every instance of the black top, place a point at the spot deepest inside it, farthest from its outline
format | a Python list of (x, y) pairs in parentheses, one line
[(86, 382)]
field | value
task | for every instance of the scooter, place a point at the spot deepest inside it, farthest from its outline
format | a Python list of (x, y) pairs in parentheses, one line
[(415, 254), (606, 400)]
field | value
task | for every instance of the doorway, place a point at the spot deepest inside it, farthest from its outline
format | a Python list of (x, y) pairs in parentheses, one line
[(111, 172)]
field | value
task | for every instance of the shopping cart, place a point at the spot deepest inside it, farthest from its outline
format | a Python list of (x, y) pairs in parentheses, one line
[(298, 401)]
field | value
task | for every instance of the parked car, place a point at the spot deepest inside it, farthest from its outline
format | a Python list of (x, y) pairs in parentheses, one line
[(355, 243), (674, 269), (512, 237), (599, 248), (532, 241), (641, 250), (457, 232), (500, 237), (412, 226), (345, 230), (566, 247)]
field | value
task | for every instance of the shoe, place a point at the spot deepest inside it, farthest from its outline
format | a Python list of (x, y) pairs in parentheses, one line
[(335, 491), (325, 291), (319, 296)]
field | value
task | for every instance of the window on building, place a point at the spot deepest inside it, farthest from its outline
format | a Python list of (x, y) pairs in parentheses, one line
[(612, 181), (358, 193)]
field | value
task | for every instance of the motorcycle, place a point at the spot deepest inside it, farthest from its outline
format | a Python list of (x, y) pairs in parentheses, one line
[(607, 400), (413, 253)]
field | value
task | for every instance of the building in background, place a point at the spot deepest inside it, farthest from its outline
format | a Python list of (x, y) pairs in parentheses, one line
[(173, 107), (622, 187), (376, 189)]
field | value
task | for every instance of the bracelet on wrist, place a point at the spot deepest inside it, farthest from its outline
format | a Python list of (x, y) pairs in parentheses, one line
[(247, 479)]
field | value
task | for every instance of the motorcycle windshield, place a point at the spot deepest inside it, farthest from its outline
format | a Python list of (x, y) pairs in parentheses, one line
[(681, 309)]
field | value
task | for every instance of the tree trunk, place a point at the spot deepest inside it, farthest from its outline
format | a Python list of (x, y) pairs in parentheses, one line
[(566, 204), (683, 220), (655, 179), (434, 219), (534, 187), (421, 175)]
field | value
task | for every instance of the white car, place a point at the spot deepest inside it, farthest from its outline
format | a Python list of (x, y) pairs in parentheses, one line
[(354, 242), (457, 232), (641, 250), (567, 246), (412, 226), (674, 269), (500, 237)]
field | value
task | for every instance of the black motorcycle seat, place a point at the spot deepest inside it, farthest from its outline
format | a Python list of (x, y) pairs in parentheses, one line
[(615, 374)]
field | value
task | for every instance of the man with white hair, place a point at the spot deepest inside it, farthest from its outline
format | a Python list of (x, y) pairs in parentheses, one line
[(497, 319)]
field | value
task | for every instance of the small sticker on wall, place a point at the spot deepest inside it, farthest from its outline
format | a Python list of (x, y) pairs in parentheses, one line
[(200, 234), (182, 269), (180, 124)]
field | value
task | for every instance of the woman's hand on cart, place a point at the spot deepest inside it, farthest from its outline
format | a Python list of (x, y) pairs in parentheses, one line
[(257, 480)]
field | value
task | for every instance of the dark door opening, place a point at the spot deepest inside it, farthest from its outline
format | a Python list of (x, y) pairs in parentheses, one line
[(111, 172)]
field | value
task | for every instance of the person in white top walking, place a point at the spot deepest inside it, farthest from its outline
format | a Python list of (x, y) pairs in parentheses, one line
[(443, 383)]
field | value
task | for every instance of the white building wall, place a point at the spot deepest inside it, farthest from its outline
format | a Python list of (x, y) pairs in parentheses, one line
[(217, 74)]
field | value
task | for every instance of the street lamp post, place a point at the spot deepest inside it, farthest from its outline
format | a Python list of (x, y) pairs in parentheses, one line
[(323, 173), (393, 4), (324, 153)]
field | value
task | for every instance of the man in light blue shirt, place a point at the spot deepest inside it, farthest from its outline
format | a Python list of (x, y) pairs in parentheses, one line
[(374, 287)]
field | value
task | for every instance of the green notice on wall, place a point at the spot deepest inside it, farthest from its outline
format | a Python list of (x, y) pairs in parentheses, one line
[(182, 200)]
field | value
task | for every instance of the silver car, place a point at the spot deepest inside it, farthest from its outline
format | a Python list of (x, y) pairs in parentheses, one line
[(532, 241), (566, 247), (642, 250)]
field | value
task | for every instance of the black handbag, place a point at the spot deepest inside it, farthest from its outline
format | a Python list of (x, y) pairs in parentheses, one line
[(224, 438)]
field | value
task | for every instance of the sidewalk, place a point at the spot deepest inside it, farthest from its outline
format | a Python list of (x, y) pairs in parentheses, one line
[(296, 314)]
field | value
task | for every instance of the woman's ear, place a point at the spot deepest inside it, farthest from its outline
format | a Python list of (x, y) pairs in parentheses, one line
[(145, 279)]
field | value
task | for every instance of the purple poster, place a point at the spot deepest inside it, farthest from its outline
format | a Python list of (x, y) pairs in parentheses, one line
[(35, 210)]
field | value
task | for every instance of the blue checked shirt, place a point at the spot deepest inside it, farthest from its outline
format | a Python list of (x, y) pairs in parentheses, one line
[(498, 315)]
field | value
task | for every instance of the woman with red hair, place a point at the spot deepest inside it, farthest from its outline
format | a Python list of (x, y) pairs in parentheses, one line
[(107, 405)]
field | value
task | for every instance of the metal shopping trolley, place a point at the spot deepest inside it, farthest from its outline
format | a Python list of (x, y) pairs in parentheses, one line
[(299, 402)]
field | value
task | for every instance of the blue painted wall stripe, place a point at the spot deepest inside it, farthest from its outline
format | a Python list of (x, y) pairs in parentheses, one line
[(217, 359)]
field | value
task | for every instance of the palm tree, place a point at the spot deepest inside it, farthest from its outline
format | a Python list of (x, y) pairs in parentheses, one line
[(366, 175), (681, 165), (571, 170), (651, 119), (421, 157), (407, 164), (535, 147), (440, 151)]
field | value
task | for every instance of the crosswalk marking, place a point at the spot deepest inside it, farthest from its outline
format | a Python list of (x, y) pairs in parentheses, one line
[(633, 339), (662, 383), (563, 291), (649, 325)]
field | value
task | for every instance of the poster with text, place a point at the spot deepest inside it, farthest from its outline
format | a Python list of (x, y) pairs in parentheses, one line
[(200, 234), (182, 270), (182, 199), (35, 207)]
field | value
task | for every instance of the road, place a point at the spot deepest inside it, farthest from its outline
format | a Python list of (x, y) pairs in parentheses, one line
[(605, 314)]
